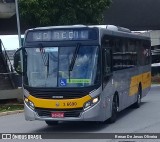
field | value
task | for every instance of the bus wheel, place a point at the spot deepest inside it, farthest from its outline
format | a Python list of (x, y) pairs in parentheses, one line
[(51, 123), (138, 102), (113, 117)]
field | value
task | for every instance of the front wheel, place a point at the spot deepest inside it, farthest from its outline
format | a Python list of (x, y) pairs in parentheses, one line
[(113, 117)]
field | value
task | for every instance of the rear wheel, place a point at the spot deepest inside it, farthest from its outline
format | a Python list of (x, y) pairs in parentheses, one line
[(113, 117), (51, 123)]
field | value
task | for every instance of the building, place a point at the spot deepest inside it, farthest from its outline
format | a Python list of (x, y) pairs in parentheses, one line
[(155, 44)]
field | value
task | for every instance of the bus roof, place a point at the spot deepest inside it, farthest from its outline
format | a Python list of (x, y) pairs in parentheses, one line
[(104, 28)]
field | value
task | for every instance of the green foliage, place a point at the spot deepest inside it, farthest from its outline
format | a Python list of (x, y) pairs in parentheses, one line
[(7, 107), (62, 12)]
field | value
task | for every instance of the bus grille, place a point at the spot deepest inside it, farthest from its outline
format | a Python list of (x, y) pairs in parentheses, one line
[(67, 113), (58, 95)]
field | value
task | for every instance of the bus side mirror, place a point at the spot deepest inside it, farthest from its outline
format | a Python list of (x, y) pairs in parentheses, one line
[(17, 61)]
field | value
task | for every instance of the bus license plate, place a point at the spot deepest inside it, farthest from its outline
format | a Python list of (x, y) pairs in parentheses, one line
[(57, 114)]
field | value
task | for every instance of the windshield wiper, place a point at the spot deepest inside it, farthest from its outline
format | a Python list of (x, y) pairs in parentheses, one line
[(73, 59), (45, 58)]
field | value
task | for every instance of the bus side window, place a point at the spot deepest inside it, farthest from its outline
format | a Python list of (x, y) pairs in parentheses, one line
[(117, 54)]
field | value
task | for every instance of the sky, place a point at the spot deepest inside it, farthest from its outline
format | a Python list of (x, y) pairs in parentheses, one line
[(10, 42)]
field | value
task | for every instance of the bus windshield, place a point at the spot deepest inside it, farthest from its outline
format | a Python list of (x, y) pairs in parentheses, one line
[(49, 66)]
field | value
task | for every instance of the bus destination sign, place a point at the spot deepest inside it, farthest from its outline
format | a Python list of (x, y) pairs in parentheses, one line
[(60, 35)]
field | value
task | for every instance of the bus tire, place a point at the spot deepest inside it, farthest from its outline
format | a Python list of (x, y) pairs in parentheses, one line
[(139, 96), (51, 123), (113, 117)]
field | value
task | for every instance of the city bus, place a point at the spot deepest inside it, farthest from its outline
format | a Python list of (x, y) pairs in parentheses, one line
[(82, 73)]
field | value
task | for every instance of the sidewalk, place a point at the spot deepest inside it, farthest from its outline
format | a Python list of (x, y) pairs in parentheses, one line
[(154, 85), (11, 94), (11, 112)]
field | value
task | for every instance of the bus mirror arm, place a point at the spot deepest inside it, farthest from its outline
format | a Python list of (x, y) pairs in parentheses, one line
[(17, 61)]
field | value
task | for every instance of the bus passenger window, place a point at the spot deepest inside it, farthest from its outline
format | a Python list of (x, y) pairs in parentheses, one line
[(117, 54), (107, 62)]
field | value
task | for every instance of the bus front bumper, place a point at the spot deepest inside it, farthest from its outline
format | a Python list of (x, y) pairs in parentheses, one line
[(92, 114)]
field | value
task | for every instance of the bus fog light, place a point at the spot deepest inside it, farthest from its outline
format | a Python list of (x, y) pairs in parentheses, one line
[(87, 105), (31, 105)]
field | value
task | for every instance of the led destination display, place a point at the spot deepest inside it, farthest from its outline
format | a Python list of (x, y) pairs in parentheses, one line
[(60, 35)]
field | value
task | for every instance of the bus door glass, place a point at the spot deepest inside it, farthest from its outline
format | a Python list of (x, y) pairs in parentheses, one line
[(106, 60)]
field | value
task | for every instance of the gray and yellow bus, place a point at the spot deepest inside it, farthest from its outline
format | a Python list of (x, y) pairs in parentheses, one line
[(82, 73)]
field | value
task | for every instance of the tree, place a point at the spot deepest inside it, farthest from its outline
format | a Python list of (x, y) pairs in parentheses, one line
[(62, 12)]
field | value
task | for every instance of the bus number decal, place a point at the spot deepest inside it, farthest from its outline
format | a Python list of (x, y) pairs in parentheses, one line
[(70, 104)]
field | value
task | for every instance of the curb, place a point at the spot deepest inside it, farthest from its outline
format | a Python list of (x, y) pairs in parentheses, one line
[(11, 112), (155, 85)]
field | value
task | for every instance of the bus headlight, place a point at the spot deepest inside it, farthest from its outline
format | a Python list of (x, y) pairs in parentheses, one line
[(91, 103), (95, 100), (29, 103)]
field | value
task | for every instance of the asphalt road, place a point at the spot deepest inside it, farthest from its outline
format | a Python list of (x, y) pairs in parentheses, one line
[(145, 119)]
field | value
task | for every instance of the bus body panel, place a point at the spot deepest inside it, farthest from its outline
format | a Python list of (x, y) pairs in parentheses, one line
[(95, 113)]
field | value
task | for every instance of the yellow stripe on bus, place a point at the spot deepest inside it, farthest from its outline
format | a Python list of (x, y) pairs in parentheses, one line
[(59, 103), (145, 80)]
